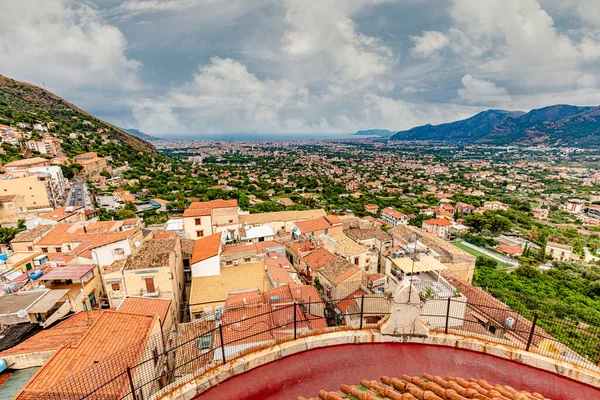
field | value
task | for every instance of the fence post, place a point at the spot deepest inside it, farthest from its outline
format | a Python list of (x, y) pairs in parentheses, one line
[(532, 332), (222, 343), (131, 383), (295, 319), (447, 315), (362, 306)]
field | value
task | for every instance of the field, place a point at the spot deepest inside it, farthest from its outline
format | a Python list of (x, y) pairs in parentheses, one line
[(501, 265)]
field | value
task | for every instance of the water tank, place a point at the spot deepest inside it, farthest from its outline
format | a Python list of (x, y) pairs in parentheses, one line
[(3, 256), (70, 209), (36, 275), (2, 365), (10, 288)]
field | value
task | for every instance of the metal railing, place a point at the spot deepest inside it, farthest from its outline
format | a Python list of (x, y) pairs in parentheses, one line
[(138, 372)]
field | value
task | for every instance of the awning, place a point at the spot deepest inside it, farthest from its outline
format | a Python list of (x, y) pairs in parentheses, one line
[(46, 302), (421, 264)]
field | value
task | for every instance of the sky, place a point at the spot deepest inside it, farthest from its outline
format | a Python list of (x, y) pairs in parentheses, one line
[(302, 66)]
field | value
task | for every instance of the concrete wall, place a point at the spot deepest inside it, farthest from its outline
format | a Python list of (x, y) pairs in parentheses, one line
[(209, 267), (33, 190), (191, 229)]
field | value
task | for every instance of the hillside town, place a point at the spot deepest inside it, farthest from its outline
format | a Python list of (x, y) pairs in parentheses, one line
[(333, 227)]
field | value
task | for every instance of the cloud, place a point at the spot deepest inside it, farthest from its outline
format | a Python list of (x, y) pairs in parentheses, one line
[(64, 44), (430, 43), (479, 91)]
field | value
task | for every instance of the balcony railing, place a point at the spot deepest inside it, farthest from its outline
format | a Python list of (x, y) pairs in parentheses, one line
[(218, 338)]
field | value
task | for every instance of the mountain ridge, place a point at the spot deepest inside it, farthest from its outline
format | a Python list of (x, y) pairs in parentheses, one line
[(559, 124)]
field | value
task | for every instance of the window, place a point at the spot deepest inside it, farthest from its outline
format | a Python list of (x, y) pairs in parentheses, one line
[(115, 287), (28, 266), (198, 221), (92, 298), (119, 254), (247, 259), (356, 260), (58, 250), (44, 249), (231, 221), (29, 248), (199, 233)]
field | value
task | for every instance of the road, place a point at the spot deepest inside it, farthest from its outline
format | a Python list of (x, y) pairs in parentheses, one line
[(79, 195)]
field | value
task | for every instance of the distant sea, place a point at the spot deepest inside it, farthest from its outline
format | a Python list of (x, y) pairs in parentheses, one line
[(262, 137)]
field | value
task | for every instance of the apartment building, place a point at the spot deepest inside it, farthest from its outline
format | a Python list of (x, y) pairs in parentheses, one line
[(559, 251), (440, 227), (92, 164), (34, 190), (50, 146), (393, 218), (207, 218), (13, 209)]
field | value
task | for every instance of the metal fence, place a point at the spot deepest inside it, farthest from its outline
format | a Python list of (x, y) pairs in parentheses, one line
[(142, 370)]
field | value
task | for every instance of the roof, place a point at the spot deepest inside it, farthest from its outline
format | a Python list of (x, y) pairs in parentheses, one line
[(438, 222), (338, 270), (62, 272), (318, 258), (61, 233), (422, 264), (26, 162), (30, 236), (427, 387), (512, 250), (67, 333), (206, 247), (146, 306), (202, 208), (312, 225), (60, 213), (258, 232), (47, 302), (559, 246), (8, 198), (114, 333), (344, 245), (369, 233), (153, 254), (333, 219), (12, 303), (284, 216), (213, 290)]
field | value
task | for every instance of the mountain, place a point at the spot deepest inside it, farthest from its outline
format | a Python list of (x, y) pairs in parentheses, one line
[(553, 125), (374, 132), (142, 135), (27, 103)]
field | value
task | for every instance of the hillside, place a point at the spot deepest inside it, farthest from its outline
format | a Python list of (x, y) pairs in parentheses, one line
[(374, 132), (141, 134), (23, 102), (553, 125)]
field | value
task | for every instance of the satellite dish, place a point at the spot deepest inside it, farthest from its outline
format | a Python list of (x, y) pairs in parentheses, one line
[(21, 313), (137, 244)]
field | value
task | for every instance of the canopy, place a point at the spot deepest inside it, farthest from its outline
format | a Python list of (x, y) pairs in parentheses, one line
[(48, 301), (421, 264)]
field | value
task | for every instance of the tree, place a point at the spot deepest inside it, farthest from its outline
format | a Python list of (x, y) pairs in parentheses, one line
[(105, 174), (130, 206), (125, 214), (67, 172)]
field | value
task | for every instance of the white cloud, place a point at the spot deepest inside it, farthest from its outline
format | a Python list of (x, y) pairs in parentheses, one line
[(430, 43), (64, 44), (479, 91)]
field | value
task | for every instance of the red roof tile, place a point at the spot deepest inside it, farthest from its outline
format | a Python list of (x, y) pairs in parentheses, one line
[(206, 247), (146, 306)]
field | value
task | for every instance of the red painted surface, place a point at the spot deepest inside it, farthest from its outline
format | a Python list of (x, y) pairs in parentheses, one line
[(304, 374)]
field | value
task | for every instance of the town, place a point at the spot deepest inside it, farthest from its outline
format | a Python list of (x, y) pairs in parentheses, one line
[(206, 252)]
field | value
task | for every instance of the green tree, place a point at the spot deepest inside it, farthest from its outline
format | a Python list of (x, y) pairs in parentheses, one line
[(125, 214), (130, 206)]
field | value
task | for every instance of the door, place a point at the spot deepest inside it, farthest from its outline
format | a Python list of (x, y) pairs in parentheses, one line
[(150, 285)]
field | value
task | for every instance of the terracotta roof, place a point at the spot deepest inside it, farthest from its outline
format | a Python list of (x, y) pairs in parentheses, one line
[(318, 258), (146, 306), (60, 213), (113, 334), (61, 233), (427, 387), (333, 219), (206, 247), (338, 270), (202, 208), (33, 234), (512, 250), (438, 222), (369, 233), (65, 334), (312, 225), (262, 247)]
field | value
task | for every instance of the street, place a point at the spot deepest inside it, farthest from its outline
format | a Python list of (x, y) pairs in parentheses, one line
[(79, 195)]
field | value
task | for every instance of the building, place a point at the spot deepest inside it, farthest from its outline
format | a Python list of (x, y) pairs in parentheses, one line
[(440, 227), (327, 225), (81, 281), (393, 218), (280, 221), (38, 305), (14, 208), (209, 217), (559, 251), (50, 146), (339, 278), (371, 208), (92, 164), (156, 271), (353, 252), (35, 191), (575, 206), (62, 215), (205, 259), (540, 212), (26, 241), (22, 165), (495, 205)]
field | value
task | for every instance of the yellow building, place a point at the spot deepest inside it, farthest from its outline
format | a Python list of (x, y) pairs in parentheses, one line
[(21, 165), (13, 209), (82, 281), (92, 164), (33, 190)]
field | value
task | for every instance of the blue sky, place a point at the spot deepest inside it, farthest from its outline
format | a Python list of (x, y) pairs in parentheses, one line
[(211, 66)]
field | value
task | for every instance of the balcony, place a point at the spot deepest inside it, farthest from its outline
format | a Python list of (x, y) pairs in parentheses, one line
[(147, 293)]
